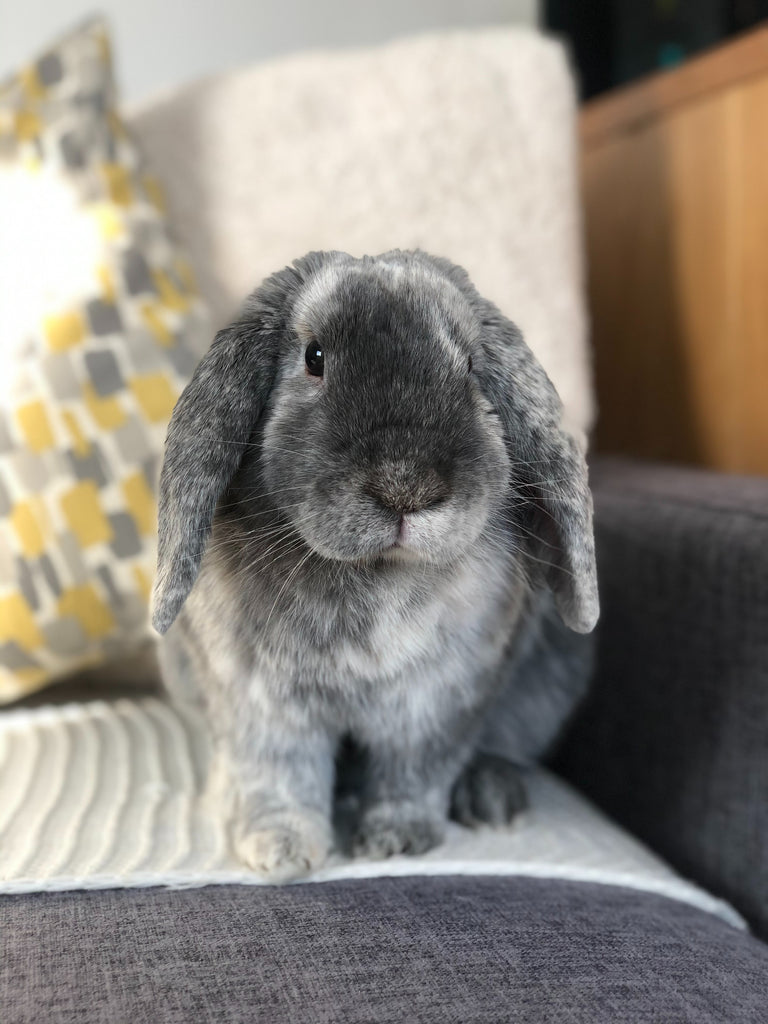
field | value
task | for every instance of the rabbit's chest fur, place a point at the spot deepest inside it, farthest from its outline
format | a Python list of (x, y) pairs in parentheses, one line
[(359, 643)]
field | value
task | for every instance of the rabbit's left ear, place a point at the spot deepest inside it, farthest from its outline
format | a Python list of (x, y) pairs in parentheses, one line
[(550, 502)]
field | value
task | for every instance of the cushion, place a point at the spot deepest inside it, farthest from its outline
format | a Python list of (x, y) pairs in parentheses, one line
[(168, 828), (379, 951), (99, 328), (461, 143)]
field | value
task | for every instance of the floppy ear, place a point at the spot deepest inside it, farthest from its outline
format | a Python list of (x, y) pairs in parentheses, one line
[(212, 421), (210, 427), (551, 500)]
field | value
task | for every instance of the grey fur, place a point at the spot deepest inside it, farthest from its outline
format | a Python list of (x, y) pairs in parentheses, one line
[(288, 611), (490, 791)]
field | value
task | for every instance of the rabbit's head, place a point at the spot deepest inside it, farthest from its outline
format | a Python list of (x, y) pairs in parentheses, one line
[(387, 412)]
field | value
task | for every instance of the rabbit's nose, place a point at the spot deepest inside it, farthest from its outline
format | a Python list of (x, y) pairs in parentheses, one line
[(403, 491)]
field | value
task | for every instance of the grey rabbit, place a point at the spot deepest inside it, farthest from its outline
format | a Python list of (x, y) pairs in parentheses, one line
[(374, 537)]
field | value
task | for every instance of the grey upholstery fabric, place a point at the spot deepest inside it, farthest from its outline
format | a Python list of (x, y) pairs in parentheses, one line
[(405, 951), (673, 742)]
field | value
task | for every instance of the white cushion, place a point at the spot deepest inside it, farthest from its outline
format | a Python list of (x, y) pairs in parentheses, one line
[(135, 803), (460, 143)]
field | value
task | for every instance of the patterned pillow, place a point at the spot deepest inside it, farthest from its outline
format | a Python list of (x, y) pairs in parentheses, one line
[(100, 326)]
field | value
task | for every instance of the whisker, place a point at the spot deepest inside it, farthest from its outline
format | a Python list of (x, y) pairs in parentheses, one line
[(289, 578)]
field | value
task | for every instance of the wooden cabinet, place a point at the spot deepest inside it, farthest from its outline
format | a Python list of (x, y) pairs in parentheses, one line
[(675, 191)]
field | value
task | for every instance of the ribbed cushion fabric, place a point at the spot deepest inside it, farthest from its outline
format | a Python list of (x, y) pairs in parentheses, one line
[(101, 794)]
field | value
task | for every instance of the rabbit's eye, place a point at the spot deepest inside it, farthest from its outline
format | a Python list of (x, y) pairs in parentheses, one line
[(314, 359)]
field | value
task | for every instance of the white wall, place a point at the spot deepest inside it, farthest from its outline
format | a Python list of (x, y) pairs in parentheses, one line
[(161, 43)]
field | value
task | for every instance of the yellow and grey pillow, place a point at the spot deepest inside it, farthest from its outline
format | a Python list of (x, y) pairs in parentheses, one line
[(100, 326)]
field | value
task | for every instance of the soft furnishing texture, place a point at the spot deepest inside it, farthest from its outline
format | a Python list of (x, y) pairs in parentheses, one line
[(100, 326), (458, 143), (124, 793), (679, 708), (379, 951)]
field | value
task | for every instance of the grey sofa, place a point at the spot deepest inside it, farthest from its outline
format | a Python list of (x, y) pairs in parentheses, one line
[(673, 742)]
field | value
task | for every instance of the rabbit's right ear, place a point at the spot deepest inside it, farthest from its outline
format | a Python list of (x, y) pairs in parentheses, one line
[(209, 430), (211, 425)]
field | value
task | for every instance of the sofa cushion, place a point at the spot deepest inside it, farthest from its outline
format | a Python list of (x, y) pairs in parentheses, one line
[(426, 950), (169, 825), (459, 143)]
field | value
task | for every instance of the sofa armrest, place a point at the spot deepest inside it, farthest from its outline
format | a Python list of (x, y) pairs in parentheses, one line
[(673, 740)]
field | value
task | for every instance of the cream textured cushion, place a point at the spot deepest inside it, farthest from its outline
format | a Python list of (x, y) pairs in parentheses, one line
[(460, 143), (167, 826), (99, 329)]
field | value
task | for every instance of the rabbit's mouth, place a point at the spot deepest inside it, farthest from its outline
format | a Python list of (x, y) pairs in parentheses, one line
[(370, 536), (400, 549), (400, 553), (435, 519), (419, 537), (401, 546), (402, 532)]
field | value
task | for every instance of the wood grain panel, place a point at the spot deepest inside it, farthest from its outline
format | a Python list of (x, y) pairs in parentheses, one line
[(753, 364), (677, 242)]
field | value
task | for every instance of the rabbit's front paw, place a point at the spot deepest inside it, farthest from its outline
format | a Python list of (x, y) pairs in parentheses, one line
[(286, 849), (389, 829)]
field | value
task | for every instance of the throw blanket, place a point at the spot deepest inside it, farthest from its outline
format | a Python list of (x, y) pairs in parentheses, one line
[(116, 794)]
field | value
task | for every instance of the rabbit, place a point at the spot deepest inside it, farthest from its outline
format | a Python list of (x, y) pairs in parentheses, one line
[(372, 529)]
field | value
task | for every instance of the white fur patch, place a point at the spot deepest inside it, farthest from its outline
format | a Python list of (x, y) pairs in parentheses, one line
[(315, 295)]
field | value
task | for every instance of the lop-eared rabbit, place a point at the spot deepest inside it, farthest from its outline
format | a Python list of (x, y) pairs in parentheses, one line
[(375, 549)]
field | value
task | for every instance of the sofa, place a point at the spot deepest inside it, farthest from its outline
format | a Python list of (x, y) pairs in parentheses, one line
[(671, 742)]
